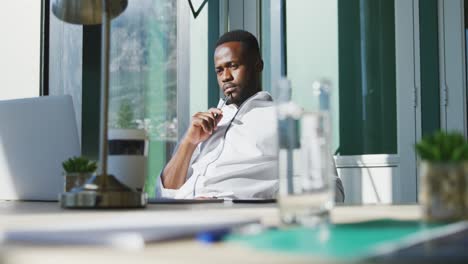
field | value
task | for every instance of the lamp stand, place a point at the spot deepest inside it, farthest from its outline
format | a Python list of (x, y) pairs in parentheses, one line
[(104, 190)]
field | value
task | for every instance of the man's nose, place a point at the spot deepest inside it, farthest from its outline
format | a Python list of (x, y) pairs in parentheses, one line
[(227, 76)]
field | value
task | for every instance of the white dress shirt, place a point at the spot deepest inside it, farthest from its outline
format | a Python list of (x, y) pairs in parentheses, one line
[(239, 160)]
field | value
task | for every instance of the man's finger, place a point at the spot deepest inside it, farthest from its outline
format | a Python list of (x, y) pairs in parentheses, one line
[(203, 124), (217, 114), (209, 117), (215, 111), (209, 121)]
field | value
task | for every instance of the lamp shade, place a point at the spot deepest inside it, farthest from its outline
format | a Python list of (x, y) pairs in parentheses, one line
[(86, 12)]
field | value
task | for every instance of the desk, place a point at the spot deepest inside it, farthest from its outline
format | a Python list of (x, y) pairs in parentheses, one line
[(39, 214)]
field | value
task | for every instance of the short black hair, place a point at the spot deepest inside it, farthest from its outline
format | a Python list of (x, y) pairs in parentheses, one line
[(248, 40)]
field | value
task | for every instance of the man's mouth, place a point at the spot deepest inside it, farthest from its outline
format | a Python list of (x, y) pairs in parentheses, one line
[(229, 89)]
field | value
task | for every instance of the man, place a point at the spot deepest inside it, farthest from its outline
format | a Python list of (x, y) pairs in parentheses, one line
[(229, 151)]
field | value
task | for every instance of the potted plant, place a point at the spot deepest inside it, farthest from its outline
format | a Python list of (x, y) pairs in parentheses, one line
[(77, 171), (443, 181)]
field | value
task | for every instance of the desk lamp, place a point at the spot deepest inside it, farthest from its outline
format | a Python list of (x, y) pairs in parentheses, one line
[(104, 190)]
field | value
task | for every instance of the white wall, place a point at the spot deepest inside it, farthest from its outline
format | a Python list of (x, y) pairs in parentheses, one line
[(368, 179), (20, 28)]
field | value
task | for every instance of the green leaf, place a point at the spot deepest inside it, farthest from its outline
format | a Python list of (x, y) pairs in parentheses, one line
[(443, 147), (425, 151), (79, 164)]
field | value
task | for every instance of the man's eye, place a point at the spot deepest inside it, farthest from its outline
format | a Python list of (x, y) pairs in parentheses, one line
[(234, 66)]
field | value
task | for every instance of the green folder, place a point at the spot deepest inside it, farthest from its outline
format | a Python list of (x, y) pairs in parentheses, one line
[(337, 241)]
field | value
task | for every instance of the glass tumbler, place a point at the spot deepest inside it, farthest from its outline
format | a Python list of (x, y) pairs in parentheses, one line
[(306, 173)]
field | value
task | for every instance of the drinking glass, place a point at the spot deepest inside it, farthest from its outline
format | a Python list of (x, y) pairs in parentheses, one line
[(306, 173)]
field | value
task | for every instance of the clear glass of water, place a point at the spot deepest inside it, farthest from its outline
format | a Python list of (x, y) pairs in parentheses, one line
[(306, 173)]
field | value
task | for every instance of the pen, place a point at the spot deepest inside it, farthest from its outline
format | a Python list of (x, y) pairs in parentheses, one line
[(220, 234), (213, 236), (228, 97)]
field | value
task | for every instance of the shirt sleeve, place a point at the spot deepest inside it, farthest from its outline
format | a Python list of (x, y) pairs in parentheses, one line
[(339, 191), (162, 192)]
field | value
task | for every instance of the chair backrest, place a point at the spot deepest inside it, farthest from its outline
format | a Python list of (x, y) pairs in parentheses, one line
[(36, 136)]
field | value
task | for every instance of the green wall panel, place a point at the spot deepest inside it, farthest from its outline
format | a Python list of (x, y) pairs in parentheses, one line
[(367, 81), (429, 48)]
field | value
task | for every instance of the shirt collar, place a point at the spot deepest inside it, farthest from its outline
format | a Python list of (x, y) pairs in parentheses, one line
[(262, 95)]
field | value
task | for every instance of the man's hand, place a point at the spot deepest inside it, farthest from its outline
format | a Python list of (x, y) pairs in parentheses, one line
[(203, 125)]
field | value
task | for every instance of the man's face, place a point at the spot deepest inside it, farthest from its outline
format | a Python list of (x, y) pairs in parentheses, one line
[(236, 73)]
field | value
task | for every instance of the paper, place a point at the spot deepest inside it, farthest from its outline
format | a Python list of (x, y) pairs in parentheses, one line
[(127, 232)]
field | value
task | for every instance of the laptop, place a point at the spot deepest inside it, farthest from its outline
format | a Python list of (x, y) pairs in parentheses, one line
[(36, 136)]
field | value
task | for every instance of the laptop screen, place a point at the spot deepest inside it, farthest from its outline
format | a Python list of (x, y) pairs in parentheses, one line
[(36, 136)]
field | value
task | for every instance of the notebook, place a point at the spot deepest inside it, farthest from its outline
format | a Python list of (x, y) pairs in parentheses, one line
[(384, 240), (36, 135)]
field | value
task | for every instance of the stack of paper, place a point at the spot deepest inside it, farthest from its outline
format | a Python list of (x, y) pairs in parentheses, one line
[(131, 232)]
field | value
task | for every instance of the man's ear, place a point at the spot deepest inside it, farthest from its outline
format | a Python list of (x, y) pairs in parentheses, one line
[(259, 65)]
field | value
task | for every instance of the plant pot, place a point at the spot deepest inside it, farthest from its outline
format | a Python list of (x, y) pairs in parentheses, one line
[(442, 193), (128, 153), (75, 179)]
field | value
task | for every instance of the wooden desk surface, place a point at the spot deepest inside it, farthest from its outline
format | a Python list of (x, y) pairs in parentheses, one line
[(41, 214)]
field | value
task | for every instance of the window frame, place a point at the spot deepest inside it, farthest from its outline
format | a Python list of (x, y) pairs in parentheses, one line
[(44, 48)]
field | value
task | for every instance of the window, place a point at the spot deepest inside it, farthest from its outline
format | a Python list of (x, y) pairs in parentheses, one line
[(143, 75), (352, 44), (65, 61), (143, 72)]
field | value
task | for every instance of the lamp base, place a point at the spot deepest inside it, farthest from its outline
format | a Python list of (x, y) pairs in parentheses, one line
[(93, 196)]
